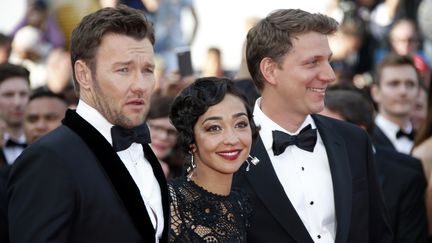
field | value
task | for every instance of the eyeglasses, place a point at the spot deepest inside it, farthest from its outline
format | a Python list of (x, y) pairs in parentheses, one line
[(169, 132), (409, 40)]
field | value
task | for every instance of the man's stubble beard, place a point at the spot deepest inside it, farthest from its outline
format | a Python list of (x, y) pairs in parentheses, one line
[(102, 104)]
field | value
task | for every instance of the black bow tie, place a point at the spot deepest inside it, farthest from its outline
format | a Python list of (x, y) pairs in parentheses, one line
[(305, 140), (122, 137), (401, 133), (11, 143)]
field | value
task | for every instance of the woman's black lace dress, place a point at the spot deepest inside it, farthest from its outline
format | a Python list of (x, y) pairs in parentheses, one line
[(201, 216)]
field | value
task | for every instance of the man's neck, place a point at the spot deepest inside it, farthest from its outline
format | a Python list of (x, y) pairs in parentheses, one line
[(15, 132), (402, 122), (290, 121)]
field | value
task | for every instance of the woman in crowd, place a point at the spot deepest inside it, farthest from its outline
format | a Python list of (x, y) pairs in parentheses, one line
[(422, 150), (163, 133), (215, 126)]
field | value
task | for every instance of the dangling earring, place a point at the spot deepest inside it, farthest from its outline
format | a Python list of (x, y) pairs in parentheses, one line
[(253, 160), (191, 168)]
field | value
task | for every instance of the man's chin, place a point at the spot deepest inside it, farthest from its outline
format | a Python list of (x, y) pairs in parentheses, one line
[(32, 139), (317, 108), (133, 122)]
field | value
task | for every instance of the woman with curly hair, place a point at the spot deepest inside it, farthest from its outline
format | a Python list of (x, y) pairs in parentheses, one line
[(215, 127)]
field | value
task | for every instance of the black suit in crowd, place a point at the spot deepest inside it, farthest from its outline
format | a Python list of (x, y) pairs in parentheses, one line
[(4, 234), (359, 207), (403, 184), (3, 162), (71, 186), (380, 139)]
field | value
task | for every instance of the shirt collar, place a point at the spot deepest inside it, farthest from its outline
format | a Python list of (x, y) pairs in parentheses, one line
[(95, 118), (390, 128), (267, 125), (21, 139)]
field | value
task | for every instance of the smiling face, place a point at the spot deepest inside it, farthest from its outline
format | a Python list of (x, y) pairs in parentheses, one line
[(222, 138), (298, 84), (121, 87)]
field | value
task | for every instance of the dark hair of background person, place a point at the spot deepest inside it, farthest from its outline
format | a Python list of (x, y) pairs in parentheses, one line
[(272, 36), (392, 60), (6, 45), (352, 105), (160, 106), (215, 50), (8, 70), (40, 5), (42, 93), (196, 99), (88, 35), (352, 28), (5, 39), (425, 131)]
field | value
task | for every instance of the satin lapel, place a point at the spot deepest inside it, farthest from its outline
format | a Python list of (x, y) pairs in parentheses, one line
[(341, 175), (3, 161), (160, 176), (263, 180), (379, 155), (116, 171), (380, 139)]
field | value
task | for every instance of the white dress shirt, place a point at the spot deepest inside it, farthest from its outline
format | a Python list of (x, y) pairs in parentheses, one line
[(11, 153), (137, 165), (389, 128), (305, 177)]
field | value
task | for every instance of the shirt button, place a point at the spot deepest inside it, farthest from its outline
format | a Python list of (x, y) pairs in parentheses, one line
[(319, 236), (311, 203), (302, 168)]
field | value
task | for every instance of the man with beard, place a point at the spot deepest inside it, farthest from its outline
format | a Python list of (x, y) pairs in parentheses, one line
[(95, 178)]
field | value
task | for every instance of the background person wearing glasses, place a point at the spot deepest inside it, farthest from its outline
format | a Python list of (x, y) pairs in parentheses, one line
[(163, 133)]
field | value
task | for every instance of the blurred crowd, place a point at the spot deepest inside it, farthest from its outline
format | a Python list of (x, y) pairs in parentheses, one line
[(370, 31)]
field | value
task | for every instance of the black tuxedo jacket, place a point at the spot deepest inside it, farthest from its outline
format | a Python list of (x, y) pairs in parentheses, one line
[(381, 140), (4, 232), (360, 211), (403, 184), (3, 163), (71, 186)]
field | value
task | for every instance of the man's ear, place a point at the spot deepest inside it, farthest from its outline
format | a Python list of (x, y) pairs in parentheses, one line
[(375, 93), (83, 74), (268, 68)]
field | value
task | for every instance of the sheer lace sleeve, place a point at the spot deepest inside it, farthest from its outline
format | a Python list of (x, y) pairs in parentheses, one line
[(174, 215)]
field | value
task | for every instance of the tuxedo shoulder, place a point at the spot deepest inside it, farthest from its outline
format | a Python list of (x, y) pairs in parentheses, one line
[(346, 128), (54, 138), (57, 147), (399, 171), (400, 174), (399, 159)]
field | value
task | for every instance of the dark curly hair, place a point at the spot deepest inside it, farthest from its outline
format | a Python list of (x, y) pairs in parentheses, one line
[(195, 100)]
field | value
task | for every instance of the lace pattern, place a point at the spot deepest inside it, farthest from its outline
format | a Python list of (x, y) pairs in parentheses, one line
[(201, 216)]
